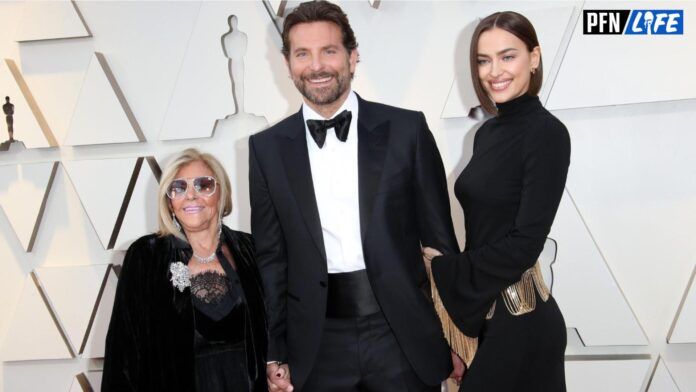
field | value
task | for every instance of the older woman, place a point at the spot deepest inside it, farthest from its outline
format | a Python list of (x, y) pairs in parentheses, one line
[(510, 191), (188, 313)]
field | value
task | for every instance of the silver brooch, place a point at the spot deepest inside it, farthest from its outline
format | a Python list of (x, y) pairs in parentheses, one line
[(181, 278)]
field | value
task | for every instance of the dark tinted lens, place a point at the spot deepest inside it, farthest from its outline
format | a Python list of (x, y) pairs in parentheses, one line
[(176, 189), (204, 185)]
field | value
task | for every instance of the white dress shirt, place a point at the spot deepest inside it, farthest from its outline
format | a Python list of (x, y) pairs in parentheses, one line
[(335, 177)]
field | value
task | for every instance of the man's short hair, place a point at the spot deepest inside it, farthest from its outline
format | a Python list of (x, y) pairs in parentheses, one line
[(318, 11)]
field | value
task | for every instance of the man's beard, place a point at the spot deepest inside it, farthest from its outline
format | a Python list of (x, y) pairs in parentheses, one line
[(325, 95)]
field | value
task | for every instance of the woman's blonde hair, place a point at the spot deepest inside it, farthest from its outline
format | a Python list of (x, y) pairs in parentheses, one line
[(190, 155)]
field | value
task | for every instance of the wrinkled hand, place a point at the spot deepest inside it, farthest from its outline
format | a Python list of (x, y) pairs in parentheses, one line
[(458, 368), (428, 254), (278, 377)]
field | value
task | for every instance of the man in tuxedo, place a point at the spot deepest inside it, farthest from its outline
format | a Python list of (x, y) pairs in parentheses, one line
[(343, 195)]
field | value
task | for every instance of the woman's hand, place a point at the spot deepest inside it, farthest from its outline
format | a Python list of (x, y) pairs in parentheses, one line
[(428, 255)]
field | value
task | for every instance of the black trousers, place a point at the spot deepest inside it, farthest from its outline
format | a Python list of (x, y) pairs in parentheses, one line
[(362, 354), (520, 353)]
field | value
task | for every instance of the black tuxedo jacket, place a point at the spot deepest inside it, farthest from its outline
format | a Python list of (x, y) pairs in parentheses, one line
[(403, 204)]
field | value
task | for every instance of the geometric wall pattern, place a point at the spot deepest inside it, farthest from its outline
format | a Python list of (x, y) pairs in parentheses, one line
[(96, 335), (117, 224), (102, 115), (86, 382), (277, 6), (80, 384), (141, 210), (632, 179), (98, 192), (683, 329), (662, 380), (581, 275), (46, 20), (223, 79), (72, 294), (23, 194), (34, 333)]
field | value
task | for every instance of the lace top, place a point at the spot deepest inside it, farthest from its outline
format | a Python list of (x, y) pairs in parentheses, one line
[(209, 287), (216, 294)]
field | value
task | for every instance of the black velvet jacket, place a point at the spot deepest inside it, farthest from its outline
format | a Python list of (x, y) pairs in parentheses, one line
[(149, 345)]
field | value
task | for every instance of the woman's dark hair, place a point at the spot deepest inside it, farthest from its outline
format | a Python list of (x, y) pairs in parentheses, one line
[(517, 25), (318, 11)]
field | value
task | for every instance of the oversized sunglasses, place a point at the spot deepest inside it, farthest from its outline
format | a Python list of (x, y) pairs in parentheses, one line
[(204, 186)]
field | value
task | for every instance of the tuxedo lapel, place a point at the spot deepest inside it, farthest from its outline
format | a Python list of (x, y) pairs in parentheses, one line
[(299, 174), (373, 138)]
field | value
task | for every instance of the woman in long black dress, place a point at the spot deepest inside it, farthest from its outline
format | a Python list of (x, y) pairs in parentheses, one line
[(188, 313), (510, 191)]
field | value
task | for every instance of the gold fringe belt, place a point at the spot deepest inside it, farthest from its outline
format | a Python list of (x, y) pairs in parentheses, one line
[(519, 299)]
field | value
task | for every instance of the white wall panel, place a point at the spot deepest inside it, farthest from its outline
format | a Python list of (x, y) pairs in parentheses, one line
[(10, 17), (94, 378), (142, 213), (66, 236), (584, 286), (278, 6), (23, 193), (606, 375), (48, 376), (684, 328), (662, 380), (102, 195), (56, 19), (102, 116), (72, 294), (33, 334), (100, 326), (600, 70), (15, 268), (632, 178)]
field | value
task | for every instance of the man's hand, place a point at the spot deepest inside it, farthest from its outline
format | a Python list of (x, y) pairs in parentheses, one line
[(428, 254), (278, 377), (459, 368)]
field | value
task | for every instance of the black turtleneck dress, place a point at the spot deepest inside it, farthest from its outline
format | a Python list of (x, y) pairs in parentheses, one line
[(510, 192)]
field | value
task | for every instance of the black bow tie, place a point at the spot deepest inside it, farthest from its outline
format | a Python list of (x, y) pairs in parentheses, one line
[(340, 123)]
